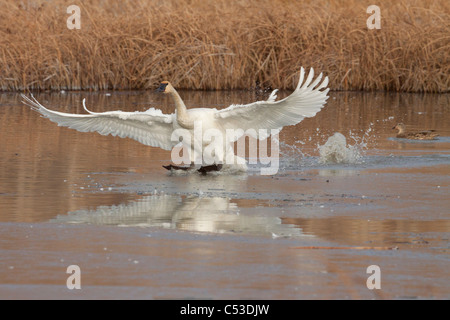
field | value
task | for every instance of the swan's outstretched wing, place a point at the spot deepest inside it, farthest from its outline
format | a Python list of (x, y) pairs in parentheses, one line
[(154, 210), (307, 99), (151, 127)]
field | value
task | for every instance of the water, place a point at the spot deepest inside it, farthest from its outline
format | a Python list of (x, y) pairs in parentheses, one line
[(137, 231), (336, 150)]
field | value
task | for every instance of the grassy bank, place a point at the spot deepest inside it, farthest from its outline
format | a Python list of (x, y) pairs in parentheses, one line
[(224, 44)]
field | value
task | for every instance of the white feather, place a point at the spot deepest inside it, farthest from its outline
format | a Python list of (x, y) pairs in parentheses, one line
[(151, 127), (304, 102)]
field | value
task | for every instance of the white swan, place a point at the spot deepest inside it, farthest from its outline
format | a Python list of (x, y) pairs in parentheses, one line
[(153, 128)]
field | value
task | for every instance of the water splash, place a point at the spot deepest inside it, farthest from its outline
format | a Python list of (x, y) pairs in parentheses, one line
[(336, 150), (291, 153)]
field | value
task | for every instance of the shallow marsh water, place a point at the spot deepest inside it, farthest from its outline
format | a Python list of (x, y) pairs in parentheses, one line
[(137, 231)]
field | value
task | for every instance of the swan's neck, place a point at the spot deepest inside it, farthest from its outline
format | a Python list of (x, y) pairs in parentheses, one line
[(183, 118), (401, 130)]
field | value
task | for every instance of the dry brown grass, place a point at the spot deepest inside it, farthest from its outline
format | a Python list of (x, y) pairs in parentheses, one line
[(224, 44)]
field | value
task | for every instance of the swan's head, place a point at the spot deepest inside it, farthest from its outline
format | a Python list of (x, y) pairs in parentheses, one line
[(164, 87), (400, 127)]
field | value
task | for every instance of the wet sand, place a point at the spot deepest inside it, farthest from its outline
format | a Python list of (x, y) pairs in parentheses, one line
[(309, 232)]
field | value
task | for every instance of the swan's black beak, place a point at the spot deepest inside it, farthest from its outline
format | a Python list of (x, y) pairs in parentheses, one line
[(162, 87)]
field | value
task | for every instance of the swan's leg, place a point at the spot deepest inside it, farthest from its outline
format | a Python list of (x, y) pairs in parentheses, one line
[(172, 167), (213, 167)]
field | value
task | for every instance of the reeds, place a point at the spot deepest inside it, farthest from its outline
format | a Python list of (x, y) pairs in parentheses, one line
[(222, 44)]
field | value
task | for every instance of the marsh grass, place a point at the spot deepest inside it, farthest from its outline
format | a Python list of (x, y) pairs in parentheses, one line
[(197, 44)]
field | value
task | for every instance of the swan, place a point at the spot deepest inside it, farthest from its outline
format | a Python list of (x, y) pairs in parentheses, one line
[(153, 128)]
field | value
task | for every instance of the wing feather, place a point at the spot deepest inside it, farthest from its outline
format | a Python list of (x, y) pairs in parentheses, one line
[(151, 127), (307, 99)]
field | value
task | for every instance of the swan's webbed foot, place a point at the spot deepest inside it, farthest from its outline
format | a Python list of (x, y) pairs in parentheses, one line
[(213, 167), (172, 167), (202, 170)]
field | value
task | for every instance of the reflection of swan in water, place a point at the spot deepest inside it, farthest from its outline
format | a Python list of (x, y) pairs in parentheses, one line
[(193, 213)]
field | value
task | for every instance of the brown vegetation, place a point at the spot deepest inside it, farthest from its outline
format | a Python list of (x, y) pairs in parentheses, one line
[(221, 44)]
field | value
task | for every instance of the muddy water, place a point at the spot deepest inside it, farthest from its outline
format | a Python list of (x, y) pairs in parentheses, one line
[(136, 231)]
